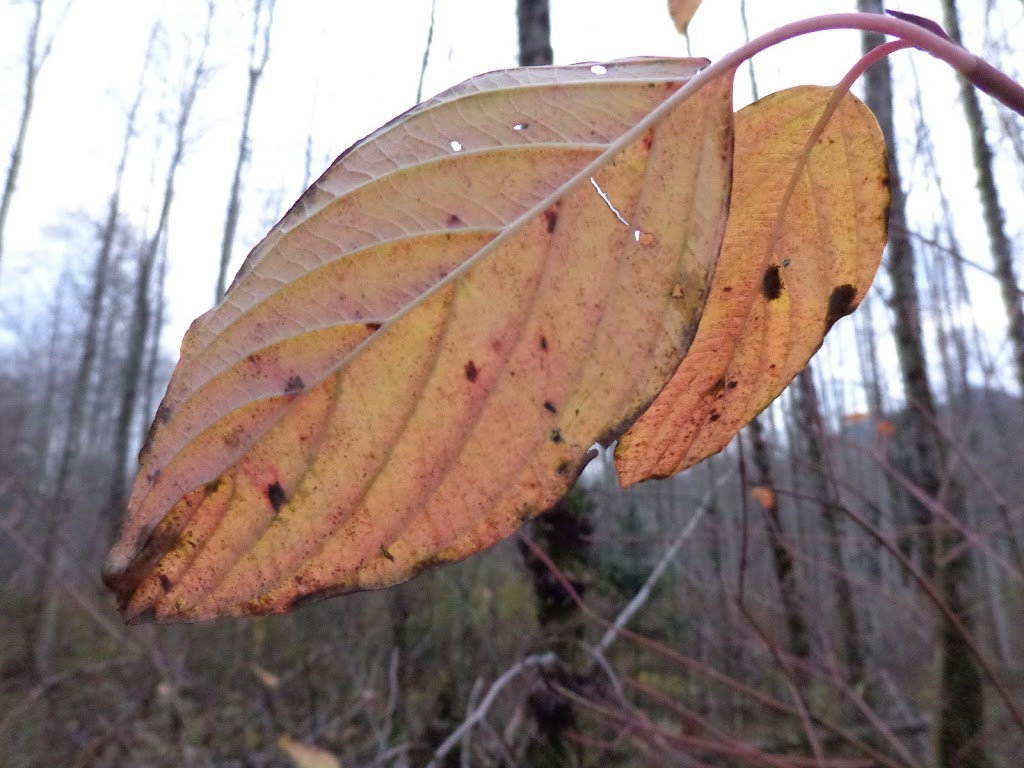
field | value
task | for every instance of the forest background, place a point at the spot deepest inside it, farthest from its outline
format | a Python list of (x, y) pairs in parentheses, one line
[(844, 586)]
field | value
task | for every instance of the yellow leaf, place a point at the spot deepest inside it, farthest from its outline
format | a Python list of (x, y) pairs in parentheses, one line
[(420, 355), (776, 290), (306, 756), (682, 12)]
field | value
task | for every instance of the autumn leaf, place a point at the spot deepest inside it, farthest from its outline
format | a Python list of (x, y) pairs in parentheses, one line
[(780, 283), (420, 355), (682, 12), (764, 495), (886, 428), (307, 756)]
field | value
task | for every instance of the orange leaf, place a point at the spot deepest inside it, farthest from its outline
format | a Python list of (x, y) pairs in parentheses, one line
[(780, 283), (764, 495), (886, 428), (420, 355), (682, 12)]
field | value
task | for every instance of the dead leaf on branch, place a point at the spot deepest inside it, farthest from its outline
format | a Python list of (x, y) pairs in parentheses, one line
[(779, 284), (420, 355), (682, 12)]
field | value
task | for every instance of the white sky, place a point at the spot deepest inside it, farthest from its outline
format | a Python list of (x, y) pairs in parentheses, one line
[(337, 70)]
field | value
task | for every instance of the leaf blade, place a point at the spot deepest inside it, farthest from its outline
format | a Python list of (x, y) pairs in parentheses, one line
[(762, 325), (364, 493)]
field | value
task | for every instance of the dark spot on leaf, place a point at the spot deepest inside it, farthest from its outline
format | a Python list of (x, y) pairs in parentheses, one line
[(471, 371), (550, 407), (295, 384), (163, 414), (544, 343), (455, 221), (727, 289), (732, 385), (562, 468), (165, 583), (212, 487), (551, 216), (276, 496), (372, 326), (715, 416), (388, 555), (840, 304), (649, 139), (771, 283), (556, 436), (428, 565)]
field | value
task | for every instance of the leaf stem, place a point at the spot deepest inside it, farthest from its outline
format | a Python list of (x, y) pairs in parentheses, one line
[(977, 71)]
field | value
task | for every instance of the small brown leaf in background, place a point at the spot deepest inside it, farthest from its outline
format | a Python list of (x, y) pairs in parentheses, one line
[(682, 12), (886, 428), (764, 496), (306, 756), (268, 679)]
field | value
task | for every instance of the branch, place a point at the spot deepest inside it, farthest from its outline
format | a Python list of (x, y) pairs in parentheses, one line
[(644, 593), (478, 714)]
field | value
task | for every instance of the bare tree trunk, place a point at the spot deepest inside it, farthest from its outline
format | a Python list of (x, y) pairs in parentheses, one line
[(961, 702), (61, 502), (782, 559), (141, 311), (534, 18), (995, 220), (258, 58), (822, 488), (36, 53)]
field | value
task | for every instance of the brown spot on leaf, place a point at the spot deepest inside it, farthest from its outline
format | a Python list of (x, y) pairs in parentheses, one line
[(165, 583), (732, 385), (428, 564), (562, 468), (295, 384), (276, 496), (544, 343), (840, 304), (387, 555), (771, 283), (550, 407), (163, 414), (649, 139), (471, 371), (715, 416), (551, 217), (556, 436), (372, 326), (454, 221)]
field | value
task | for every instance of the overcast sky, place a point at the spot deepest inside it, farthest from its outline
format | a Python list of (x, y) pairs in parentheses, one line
[(337, 70)]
